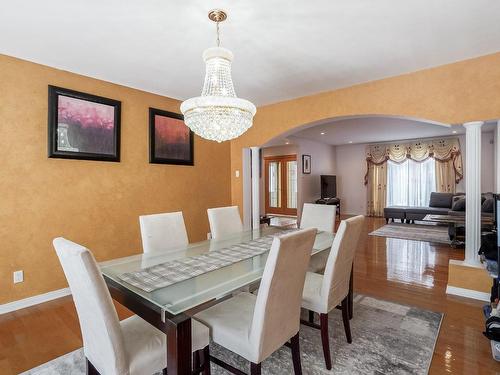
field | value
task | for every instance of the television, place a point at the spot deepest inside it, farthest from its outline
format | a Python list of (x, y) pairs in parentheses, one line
[(328, 186)]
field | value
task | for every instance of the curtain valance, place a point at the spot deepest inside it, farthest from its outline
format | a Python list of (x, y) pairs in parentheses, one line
[(443, 150)]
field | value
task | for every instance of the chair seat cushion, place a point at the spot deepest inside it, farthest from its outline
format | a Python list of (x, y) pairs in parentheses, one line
[(318, 261), (146, 345), (230, 322)]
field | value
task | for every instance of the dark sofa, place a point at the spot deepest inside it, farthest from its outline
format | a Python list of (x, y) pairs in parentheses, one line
[(439, 204)]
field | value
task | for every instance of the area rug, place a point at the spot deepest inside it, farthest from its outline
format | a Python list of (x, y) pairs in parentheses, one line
[(388, 338), (414, 232)]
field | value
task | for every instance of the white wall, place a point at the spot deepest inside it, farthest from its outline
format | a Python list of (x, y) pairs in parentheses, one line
[(351, 169), (322, 162)]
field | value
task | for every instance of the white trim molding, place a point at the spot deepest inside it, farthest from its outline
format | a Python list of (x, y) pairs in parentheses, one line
[(468, 293), (35, 300)]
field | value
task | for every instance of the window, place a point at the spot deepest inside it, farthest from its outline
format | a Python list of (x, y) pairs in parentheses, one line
[(410, 183)]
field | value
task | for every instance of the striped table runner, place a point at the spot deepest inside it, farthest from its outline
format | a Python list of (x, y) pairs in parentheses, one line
[(175, 271)]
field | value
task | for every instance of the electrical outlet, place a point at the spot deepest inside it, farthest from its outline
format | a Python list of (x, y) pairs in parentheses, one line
[(18, 277), (237, 173)]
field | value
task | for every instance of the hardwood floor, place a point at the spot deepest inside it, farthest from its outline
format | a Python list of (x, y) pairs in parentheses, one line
[(412, 273)]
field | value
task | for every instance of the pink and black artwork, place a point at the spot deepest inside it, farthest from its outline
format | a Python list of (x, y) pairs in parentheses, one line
[(171, 141), (83, 126)]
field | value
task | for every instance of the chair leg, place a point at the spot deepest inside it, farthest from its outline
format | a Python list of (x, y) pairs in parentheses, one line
[(89, 368), (345, 318), (311, 316), (387, 220), (350, 296), (297, 367), (206, 360), (324, 339), (196, 360), (255, 368)]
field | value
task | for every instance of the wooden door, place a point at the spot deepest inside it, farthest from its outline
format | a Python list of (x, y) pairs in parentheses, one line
[(281, 184)]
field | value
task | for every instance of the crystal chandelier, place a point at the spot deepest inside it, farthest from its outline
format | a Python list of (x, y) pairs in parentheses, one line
[(218, 115)]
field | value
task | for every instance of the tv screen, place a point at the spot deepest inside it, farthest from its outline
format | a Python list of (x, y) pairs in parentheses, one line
[(328, 186)]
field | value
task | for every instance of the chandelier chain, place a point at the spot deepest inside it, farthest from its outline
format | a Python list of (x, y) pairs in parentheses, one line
[(218, 35)]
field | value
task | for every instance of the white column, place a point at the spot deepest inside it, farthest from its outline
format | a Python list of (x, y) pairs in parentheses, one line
[(472, 191), (246, 166), (255, 187), (497, 157)]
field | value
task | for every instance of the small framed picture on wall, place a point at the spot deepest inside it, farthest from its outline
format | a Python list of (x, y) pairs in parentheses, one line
[(306, 164), (170, 140), (83, 126)]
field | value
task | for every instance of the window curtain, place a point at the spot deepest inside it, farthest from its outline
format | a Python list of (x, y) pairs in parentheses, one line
[(445, 176), (410, 183), (377, 189), (445, 152)]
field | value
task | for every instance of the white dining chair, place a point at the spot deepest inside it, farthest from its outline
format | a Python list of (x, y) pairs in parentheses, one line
[(323, 293), (253, 326), (111, 347), (163, 232), (322, 217), (224, 221)]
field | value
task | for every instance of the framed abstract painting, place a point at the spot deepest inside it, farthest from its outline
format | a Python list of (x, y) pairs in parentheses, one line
[(170, 140), (83, 126), (306, 164)]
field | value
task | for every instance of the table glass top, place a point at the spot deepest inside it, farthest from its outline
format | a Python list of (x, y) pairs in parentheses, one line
[(193, 292)]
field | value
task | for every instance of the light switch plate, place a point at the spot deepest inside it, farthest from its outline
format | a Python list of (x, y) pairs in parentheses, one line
[(237, 173), (18, 277)]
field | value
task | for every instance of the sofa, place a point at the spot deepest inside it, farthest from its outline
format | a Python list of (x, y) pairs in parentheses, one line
[(439, 204)]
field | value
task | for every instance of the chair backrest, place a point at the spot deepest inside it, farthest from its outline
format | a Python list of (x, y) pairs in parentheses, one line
[(276, 316), (163, 232), (338, 266), (103, 341), (224, 221), (319, 216)]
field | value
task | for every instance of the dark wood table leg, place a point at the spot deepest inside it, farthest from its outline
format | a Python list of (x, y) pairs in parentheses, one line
[(179, 353), (350, 296)]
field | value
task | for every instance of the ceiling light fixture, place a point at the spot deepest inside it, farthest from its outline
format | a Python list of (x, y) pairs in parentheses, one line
[(350, 141), (454, 132), (218, 114), (322, 133)]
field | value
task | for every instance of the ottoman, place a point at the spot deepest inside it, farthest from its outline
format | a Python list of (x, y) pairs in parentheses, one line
[(395, 212)]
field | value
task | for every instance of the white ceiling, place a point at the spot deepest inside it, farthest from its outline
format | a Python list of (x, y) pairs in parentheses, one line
[(283, 49), (377, 129)]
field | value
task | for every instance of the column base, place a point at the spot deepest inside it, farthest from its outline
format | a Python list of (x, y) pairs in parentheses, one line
[(469, 280)]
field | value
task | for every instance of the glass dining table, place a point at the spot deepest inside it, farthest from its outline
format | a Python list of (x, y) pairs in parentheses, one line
[(170, 308)]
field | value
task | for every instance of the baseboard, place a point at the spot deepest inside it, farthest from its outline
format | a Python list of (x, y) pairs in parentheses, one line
[(35, 300), (468, 293)]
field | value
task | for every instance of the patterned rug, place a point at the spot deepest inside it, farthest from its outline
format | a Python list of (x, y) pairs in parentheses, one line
[(388, 338), (415, 232)]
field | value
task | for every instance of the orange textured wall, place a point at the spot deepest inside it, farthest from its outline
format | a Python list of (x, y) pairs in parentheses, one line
[(455, 93), (93, 203)]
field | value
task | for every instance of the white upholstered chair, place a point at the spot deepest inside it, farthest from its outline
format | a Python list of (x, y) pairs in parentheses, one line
[(256, 326), (163, 232), (322, 217), (323, 293), (224, 221), (111, 347)]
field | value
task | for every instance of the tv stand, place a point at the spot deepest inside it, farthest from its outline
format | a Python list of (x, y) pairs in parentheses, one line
[(330, 201)]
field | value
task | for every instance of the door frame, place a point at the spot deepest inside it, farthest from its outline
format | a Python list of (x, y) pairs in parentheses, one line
[(284, 191)]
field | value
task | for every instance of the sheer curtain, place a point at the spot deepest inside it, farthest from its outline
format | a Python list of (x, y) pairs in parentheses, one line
[(410, 183)]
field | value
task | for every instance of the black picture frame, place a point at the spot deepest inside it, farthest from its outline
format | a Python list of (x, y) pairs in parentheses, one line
[(154, 159), (53, 125), (306, 164)]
